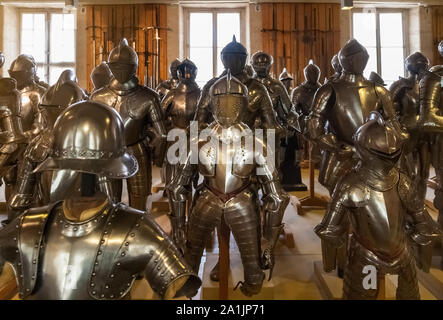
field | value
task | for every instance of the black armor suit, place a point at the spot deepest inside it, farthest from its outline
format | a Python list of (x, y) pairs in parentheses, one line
[(101, 75), (377, 199), (228, 166), (286, 78), (344, 103), (34, 189), (234, 57), (167, 85), (23, 70), (12, 139), (140, 109), (179, 106), (86, 247), (302, 97), (405, 95)]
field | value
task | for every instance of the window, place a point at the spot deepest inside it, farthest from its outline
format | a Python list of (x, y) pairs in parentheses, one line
[(208, 32), (382, 34), (50, 38)]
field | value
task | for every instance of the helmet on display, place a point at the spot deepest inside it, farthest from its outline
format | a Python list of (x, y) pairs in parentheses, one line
[(285, 75), (123, 62), (228, 97), (89, 137), (440, 48), (312, 72), (187, 71), (23, 69), (101, 75), (173, 68), (416, 62), (335, 63), (378, 140), (262, 62), (234, 56), (353, 57)]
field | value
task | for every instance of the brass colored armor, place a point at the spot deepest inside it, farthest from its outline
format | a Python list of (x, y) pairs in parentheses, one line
[(101, 75), (141, 112), (344, 104), (405, 95), (378, 201), (169, 84), (23, 70), (227, 191)]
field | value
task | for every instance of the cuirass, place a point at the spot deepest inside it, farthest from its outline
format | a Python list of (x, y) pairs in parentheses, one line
[(379, 224), (353, 104), (30, 97), (133, 107), (249, 114), (183, 107), (226, 167), (305, 97), (410, 108)]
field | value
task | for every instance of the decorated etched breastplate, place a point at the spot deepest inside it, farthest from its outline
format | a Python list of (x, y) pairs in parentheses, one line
[(353, 104)]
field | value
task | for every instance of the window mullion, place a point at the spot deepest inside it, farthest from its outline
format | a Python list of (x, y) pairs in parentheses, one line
[(214, 43), (378, 43), (48, 45)]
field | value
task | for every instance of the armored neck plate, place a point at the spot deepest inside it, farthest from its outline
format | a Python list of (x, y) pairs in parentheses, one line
[(186, 87), (124, 88), (377, 181), (358, 79)]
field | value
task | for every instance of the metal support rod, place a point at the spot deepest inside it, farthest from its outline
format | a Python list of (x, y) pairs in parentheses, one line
[(223, 243)]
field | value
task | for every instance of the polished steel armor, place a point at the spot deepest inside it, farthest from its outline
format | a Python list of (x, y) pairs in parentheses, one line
[(23, 70), (140, 109), (169, 84), (2, 59), (405, 95), (377, 200), (57, 253), (179, 106), (227, 193), (286, 78), (101, 76)]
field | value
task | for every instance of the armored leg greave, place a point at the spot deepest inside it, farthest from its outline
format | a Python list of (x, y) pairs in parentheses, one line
[(139, 185), (407, 288)]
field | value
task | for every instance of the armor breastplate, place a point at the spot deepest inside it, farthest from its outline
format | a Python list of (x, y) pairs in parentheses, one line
[(379, 223), (183, 107), (132, 106), (30, 97), (226, 167), (410, 108), (353, 103), (249, 114), (305, 99)]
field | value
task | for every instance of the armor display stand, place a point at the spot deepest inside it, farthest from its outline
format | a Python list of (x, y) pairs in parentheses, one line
[(313, 200), (224, 265)]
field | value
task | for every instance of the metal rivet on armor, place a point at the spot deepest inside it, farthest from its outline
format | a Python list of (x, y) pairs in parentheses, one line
[(112, 275), (92, 284), (27, 289), (93, 274), (172, 277), (66, 225), (105, 232), (107, 286), (155, 260), (61, 221), (151, 252), (118, 263), (95, 220), (94, 292), (102, 295), (102, 241), (39, 232), (120, 293), (96, 263), (137, 225), (15, 238), (132, 234), (34, 261), (159, 267), (126, 243), (33, 277), (109, 223), (111, 296), (19, 263), (75, 228), (99, 252), (128, 284), (16, 226), (36, 246), (16, 251), (123, 254), (21, 276)]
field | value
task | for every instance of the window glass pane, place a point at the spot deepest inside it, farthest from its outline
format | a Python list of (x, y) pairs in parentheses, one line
[(228, 25), (202, 57), (200, 29), (41, 73), (364, 28), (33, 35), (372, 62), (54, 73), (391, 64), (391, 30), (62, 47)]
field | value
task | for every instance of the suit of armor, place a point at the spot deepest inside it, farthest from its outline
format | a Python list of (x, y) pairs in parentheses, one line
[(140, 109), (12, 139), (23, 70), (234, 57), (286, 78), (377, 200), (344, 104), (50, 186), (101, 76), (228, 167), (179, 106), (167, 85), (2, 59), (405, 95), (86, 247), (302, 97), (336, 66)]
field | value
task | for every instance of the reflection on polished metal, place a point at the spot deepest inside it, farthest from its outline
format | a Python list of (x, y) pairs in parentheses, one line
[(344, 104), (377, 200), (101, 75), (23, 70), (431, 123), (234, 56), (2, 59), (286, 78), (12, 138), (227, 192), (179, 106), (169, 84), (416, 157), (375, 77), (108, 244), (249, 70), (140, 109)]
